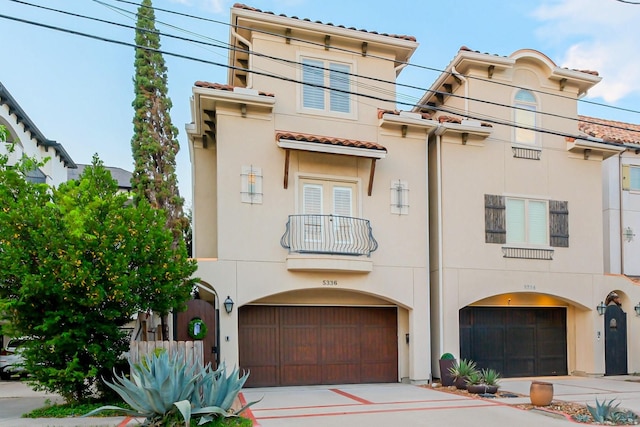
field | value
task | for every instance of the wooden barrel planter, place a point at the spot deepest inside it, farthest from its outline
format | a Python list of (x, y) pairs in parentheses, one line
[(541, 393)]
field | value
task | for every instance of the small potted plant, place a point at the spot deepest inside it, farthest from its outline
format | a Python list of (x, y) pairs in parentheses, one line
[(491, 379), (447, 361), (460, 372), (474, 382)]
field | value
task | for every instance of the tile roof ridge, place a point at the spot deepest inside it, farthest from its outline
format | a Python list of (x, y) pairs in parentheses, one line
[(226, 87), (330, 140), (253, 9)]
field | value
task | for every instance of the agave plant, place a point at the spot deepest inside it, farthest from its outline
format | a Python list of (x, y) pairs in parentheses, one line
[(216, 391), (603, 411), (158, 390), (490, 377)]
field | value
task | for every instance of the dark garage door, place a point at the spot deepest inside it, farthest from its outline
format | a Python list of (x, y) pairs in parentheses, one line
[(518, 342), (283, 346)]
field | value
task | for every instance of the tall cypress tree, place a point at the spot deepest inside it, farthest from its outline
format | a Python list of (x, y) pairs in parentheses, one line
[(154, 143)]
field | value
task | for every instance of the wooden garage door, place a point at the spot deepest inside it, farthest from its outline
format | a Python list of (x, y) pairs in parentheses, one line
[(283, 346), (518, 342)]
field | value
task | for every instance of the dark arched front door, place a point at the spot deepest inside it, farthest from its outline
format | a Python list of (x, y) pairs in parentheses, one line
[(207, 313), (615, 340)]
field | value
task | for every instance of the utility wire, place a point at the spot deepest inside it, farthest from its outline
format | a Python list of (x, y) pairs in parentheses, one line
[(186, 57), (298, 64), (377, 57)]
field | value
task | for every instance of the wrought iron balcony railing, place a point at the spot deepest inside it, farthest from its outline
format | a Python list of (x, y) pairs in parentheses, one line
[(328, 234)]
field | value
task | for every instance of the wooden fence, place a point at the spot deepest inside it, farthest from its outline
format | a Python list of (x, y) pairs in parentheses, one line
[(192, 351)]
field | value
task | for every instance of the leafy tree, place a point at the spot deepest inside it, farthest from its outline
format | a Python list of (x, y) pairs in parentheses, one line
[(76, 263), (154, 143)]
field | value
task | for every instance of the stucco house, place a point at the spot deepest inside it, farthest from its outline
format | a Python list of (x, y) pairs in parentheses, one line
[(516, 250), (309, 205), (30, 141)]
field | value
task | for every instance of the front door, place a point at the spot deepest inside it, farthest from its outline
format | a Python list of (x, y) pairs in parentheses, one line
[(206, 312)]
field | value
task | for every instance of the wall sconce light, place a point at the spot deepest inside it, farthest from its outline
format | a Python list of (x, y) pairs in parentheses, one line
[(406, 337), (228, 305), (637, 309), (628, 234), (601, 308)]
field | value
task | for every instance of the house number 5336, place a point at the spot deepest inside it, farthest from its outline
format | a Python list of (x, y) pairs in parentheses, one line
[(329, 283)]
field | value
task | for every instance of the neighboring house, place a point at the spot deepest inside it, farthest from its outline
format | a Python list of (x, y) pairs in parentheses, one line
[(516, 217), (123, 177), (29, 141), (309, 205)]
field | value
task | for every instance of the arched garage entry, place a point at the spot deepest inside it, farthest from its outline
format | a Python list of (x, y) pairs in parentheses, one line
[(315, 341), (517, 341)]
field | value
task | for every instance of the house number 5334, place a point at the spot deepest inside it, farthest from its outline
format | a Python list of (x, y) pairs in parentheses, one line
[(329, 283)]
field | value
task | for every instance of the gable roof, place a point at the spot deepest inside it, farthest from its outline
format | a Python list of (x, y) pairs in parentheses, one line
[(610, 130), (29, 126)]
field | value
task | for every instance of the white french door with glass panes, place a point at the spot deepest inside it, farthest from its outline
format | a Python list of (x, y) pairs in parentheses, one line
[(527, 221), (328, 209)]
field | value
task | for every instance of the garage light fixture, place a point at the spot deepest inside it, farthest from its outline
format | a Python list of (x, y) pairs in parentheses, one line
[(601, 308), (228, 305)]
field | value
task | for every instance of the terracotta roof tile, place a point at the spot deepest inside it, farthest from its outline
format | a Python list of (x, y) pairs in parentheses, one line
[(397, 36), (382, 112), (610, 130), (220, 86), (450, 119), (353, 143), (594, 73)]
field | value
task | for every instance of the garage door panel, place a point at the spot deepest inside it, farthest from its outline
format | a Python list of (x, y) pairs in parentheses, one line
[(299, 345), (319, 345), (299, 375), (534, 341), (340, 344)]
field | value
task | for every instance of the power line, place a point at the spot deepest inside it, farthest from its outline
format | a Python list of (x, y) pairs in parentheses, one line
[(377, 57), (298, 64), (270, 75)]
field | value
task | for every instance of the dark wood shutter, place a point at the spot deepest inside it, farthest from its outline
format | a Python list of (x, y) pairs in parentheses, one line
[(494, 219), (559, 223)]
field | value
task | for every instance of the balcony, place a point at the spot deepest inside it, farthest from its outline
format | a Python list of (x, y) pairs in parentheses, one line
[(328, 242)]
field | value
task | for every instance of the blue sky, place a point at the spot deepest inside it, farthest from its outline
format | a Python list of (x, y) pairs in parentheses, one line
[(78, 91)]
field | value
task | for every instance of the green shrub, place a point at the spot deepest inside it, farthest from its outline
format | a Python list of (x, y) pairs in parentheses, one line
[(447, 356)]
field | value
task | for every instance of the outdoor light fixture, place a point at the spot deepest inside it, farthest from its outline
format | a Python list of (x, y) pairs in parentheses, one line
[(228, 305), (637, 309), (601, 308), (406, 336)]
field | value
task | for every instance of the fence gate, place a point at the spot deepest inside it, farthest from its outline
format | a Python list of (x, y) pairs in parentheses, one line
[(615, 340), (205, 311)]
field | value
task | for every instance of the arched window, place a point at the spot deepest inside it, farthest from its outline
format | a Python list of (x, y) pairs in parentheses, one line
[(525, 117)]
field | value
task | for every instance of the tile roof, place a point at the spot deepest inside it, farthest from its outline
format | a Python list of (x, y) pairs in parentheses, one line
[(466, 49), (397, 36), (328, 140), (450, 119), (229, 88), (610, 130), (381, 112)]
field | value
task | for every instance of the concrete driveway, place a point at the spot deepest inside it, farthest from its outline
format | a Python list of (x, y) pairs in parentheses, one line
[(371, 405), (407, 405)]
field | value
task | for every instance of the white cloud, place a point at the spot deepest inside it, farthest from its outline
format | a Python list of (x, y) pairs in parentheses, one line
[(599, 35)]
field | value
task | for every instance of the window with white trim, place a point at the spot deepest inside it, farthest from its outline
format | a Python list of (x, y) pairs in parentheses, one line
[(525, 116), (631, 177), (328, 86), (527, 221)]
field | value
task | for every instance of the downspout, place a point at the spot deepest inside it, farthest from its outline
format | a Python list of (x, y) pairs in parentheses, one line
[(248, 43), (621, 229), (466, 89), (440, 245)]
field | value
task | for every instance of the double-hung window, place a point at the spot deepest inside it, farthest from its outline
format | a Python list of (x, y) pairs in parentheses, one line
[(527, 221), (326, 86), (525, 117)]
